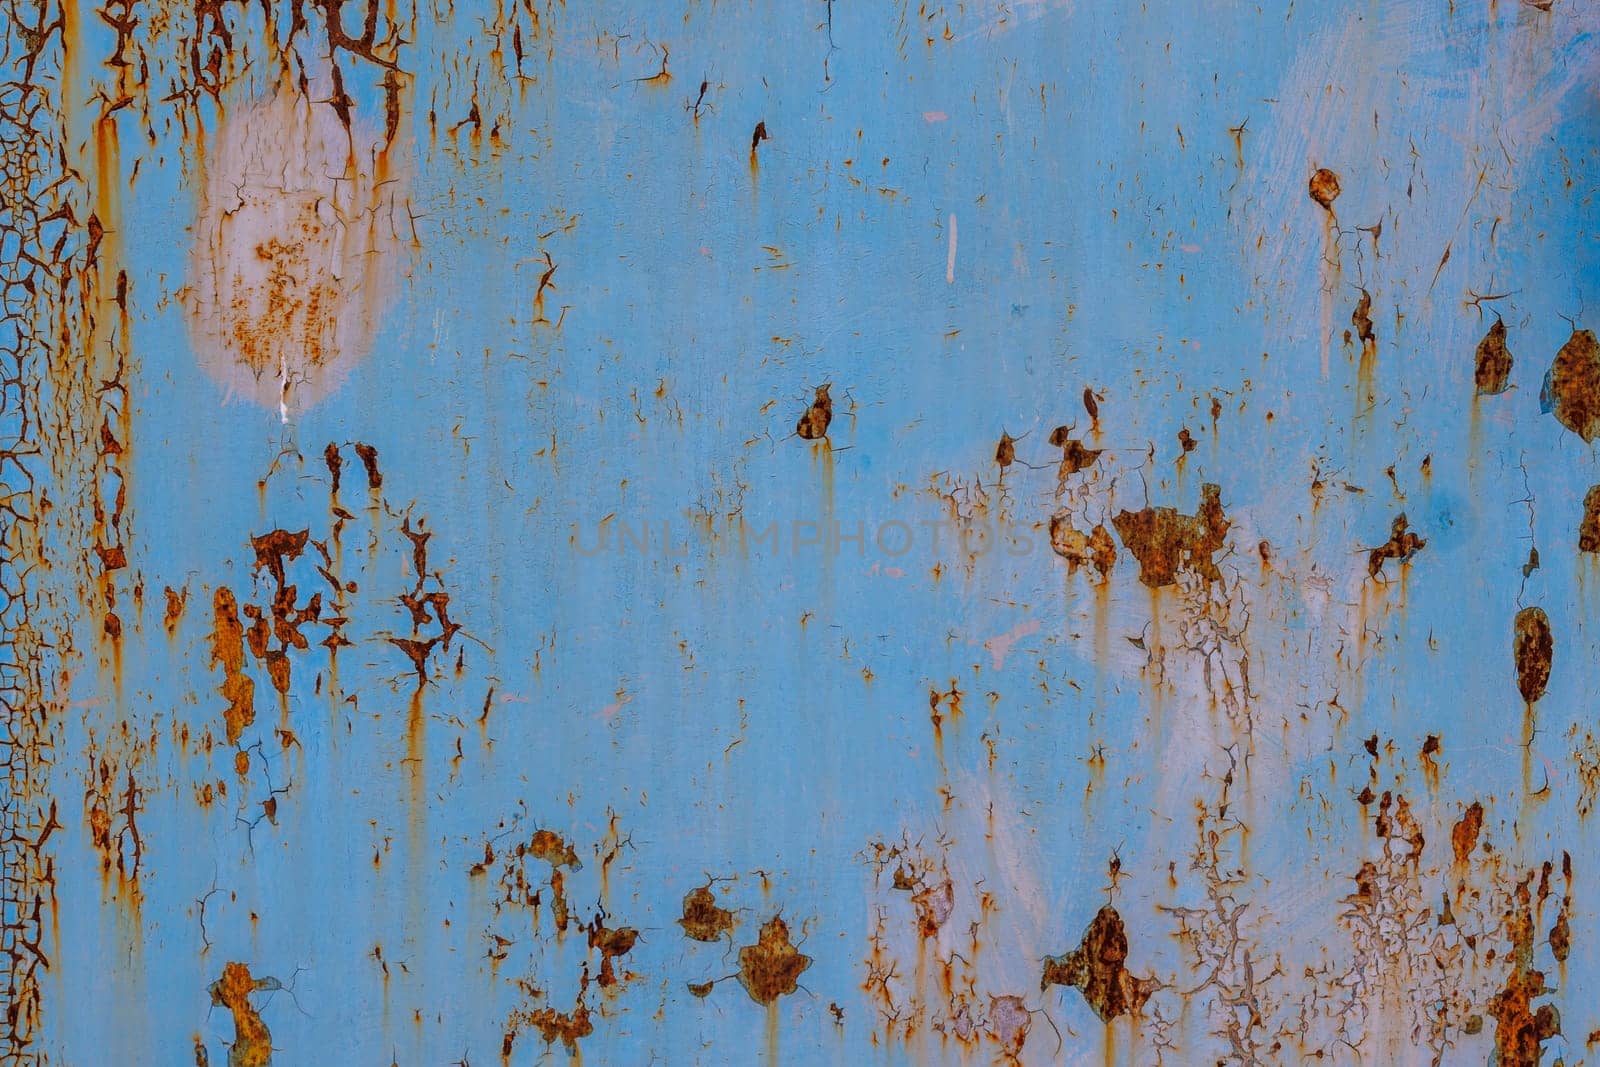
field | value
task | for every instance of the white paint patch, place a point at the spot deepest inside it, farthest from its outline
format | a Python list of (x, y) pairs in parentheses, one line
[(294, 244), (999, 646), (950, 260)]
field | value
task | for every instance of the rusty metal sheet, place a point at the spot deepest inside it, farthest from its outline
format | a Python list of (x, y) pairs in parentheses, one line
[(722, 533)]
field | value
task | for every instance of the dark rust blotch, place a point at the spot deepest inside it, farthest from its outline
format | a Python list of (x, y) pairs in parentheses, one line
[(1534, 648)]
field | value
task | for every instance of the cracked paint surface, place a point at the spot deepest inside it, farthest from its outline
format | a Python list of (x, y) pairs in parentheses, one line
[(529, 537)]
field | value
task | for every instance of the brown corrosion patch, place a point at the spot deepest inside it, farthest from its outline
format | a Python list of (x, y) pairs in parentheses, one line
[(611, 943), (1589, 525), (568, 1027), (1520, 1028), (1165, 541), (1078, 548), (756, 137), (813, 424), (1401, 546), (1096, 968), (1074, 456), (1533, 647), (252, 1043), (1572, 389), (703, 919), (227, 649), (1324, 187), (1005, 453), (1491, 371), (1464, 834), (1361, 319), (771, 967), (554, 849)]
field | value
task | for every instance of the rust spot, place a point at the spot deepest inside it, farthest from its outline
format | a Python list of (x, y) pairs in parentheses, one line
[(1165, 542), (567, 1027), (1361, 319), (756, 138), (703, 919), (1186, 441), (771, 967), (813, 423), (1520, 1028), (1401, 546), (1074, 456), (1009, 1023), (176, 601), (369, 460), (1464, 834), (611, 943), (1589, 525), (1324, 187), (1096, 968), (227, 649), (1005, 453), (1492, 370), (1078, 548), (252, 1043), (1572, 388), (1561, 938), (555, 850), (1533, 647), (335, 462)]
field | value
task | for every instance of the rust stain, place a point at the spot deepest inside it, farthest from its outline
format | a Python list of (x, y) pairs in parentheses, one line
[(1324, 188), (1532, 646), (814, 421), (252, 1042), (1572, 388), (1097, 968), (771, 967), (1165, 542), (1401, 546), (703, 919), (1492, 368)]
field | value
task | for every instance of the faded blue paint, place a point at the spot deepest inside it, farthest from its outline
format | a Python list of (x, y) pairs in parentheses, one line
[(766, 708)]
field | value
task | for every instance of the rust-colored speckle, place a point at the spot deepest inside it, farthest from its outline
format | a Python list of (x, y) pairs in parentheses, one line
[(1097, 969), (1533, 648), (703, 919), (1165, 542), (771, 967), (1572, 388), (1324, 187), (814, 421), (1492, 370)]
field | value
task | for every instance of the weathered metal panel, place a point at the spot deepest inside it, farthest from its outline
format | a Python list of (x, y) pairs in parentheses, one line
[(800, 533)]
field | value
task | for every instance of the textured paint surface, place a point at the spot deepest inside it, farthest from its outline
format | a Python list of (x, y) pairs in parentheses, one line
[(726, 533)]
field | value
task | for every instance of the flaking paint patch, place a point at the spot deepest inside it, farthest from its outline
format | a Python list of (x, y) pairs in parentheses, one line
[(295, 248)]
